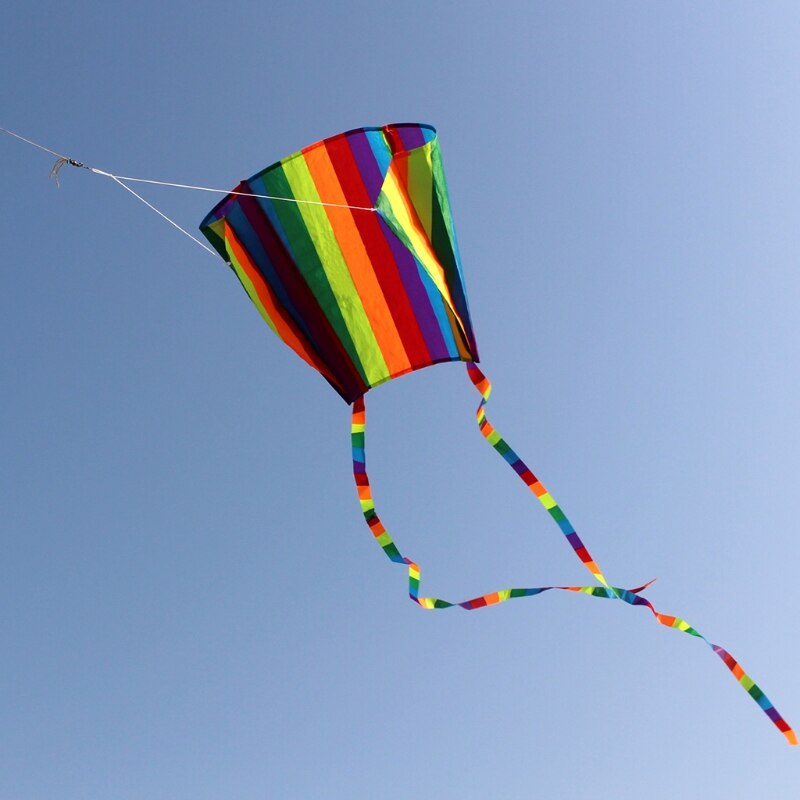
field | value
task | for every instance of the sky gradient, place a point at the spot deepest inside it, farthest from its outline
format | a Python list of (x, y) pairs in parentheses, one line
[(192, 604)]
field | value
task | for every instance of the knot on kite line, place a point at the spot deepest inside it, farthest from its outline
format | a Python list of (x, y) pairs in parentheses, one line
[(60, 163)]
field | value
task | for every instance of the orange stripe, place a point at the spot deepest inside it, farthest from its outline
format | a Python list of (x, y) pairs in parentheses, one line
[(358, 261), (268, 300)]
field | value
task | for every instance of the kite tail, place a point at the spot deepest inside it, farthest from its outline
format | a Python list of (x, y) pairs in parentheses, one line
[(385, 540), (633, 597)]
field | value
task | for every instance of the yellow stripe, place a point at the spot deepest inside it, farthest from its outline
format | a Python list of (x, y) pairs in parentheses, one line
[(547, 501)]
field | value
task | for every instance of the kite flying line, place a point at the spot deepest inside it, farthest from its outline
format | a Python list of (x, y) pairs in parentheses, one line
[(122, 179)]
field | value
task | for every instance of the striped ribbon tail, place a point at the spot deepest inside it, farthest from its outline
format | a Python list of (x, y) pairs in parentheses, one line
[(632, 597), (357, 433)]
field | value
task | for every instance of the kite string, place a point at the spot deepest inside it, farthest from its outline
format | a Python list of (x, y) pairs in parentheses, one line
[(120, 180), (161, 214), (233, 192), (62, 159)]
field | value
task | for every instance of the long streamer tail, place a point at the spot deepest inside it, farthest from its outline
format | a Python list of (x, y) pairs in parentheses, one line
[(605, 590)]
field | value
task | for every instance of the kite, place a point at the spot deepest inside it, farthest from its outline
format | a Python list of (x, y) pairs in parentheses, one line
[(348, 250)]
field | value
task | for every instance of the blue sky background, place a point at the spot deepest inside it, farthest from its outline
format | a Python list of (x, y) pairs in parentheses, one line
[(192, 606)]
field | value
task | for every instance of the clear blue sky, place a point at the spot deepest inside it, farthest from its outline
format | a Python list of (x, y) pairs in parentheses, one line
[(191, 604)]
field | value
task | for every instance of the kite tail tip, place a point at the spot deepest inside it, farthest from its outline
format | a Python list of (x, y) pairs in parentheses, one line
[(645, 586), (791, 737)]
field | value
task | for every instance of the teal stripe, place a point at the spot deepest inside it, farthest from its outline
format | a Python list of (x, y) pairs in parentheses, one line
[(380, 149), (439, 309)]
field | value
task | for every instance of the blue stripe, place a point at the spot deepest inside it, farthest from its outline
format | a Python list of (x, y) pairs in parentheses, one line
[(438, 306), (380, 149)]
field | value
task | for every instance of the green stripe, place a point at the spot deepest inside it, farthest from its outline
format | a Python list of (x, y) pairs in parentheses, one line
[(443, 235), (442, 204)]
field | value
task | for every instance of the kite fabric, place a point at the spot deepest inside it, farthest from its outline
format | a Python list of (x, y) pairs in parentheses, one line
[(364, 283), (348, 251)]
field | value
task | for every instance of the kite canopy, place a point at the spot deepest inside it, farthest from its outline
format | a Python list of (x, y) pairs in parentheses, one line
[(348, 250)]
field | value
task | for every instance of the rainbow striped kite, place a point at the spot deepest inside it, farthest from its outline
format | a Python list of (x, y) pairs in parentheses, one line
[(348, 251)]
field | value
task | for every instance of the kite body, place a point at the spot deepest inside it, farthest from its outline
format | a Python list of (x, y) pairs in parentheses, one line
[(364, 281), (348, 250)]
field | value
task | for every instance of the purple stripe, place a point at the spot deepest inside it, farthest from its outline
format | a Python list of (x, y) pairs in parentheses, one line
[(411, 136), (574, 540), (367, 165)]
